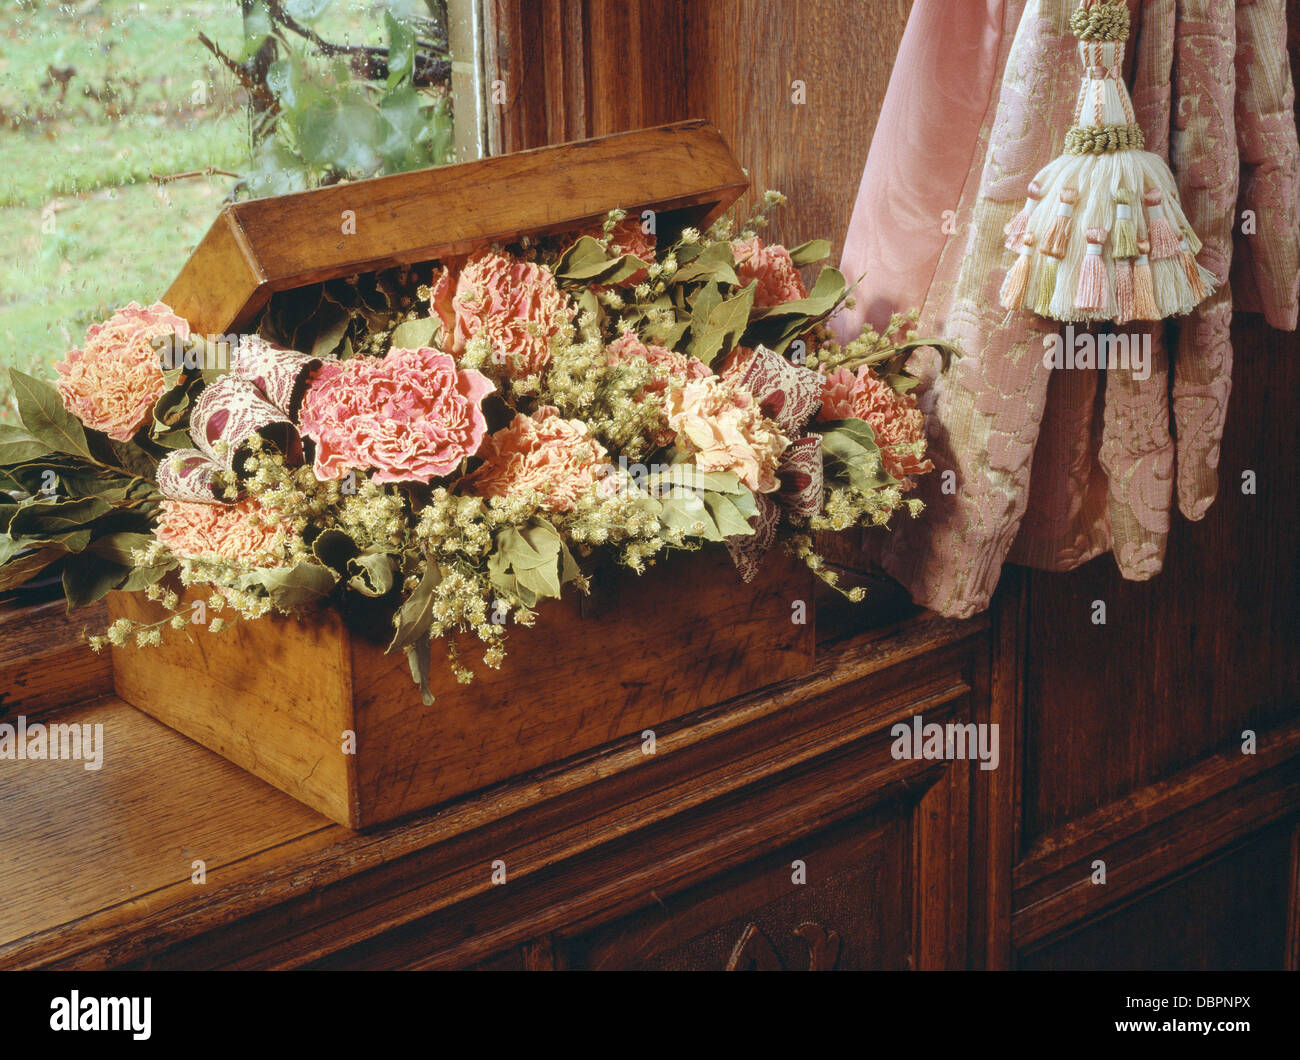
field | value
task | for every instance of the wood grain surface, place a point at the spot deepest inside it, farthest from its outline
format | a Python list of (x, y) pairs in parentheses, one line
[(590, 67), (75, 841), (278, 695), (273, 695), (45, 662), (743, 64), (286, 888), (261, 246)]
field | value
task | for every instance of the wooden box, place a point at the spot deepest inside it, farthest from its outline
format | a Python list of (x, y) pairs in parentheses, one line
[(279, 696)]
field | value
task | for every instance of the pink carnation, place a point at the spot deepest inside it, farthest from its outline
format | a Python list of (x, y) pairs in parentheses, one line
[(243, 532), (722, 425), (112, 383), (628, 237), (894, 418), (778, 279), (409, 416), (515, 305), (544, 453)]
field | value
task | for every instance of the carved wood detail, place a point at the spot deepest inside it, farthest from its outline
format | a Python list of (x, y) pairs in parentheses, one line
[(754, 951)]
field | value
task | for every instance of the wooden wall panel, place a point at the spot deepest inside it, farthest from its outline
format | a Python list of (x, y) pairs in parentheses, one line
[(746, 57), (576, 68), (1238, 916), (1189, 659)]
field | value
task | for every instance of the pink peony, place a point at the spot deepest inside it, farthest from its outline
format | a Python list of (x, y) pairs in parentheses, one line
[(515, 305), (243, 533), (112, 383), (409, 416), (894, 418), (722, 425), (778, 279), (545, 453)]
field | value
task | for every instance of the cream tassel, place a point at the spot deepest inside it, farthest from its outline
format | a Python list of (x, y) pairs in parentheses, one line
[(1106, 179), (1173, 291)]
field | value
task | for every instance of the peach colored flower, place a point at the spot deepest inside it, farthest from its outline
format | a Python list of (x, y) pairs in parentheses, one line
[(778, 279), (515, 304), (112, 383), (243, 532), (670, 369), (545, 453), (895, 418), (722, 425), (668, 365), (409, 416)]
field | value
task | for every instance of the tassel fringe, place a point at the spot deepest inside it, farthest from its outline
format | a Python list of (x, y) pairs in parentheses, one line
[(1124, 234), (1048, 266), (1164, 240), (1015, 286), (1015, 230), (1102, 235), (1092, 277), (1144, 292), (1056, 241), (1125, 307), (1193, 270)]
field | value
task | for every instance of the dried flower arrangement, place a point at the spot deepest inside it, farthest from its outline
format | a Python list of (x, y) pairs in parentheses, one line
[(460, 440)]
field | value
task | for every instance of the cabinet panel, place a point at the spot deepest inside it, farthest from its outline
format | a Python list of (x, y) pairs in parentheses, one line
[(852, 911), (1230, 914), (1188, 660)]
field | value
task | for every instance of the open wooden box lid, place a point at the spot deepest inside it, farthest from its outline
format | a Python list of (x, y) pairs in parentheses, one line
[(258, 248)]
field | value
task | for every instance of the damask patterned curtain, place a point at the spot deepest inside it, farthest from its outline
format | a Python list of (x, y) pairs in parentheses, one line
[(1054, 468)]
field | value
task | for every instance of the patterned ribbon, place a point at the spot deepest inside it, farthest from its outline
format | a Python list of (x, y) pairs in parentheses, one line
[(280, 374), (789, 395), (259, 395), (188, 475)]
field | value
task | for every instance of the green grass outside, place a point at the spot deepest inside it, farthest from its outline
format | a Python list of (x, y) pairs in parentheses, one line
[(84, 228)]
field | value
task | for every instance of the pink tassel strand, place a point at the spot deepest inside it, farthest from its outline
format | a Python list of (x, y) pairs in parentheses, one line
[(1163, 237), (1017, 281), (1124, 302), (1015, 230), (1199, 291), (1058, 236), (1091, 295), (1144, 290)]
